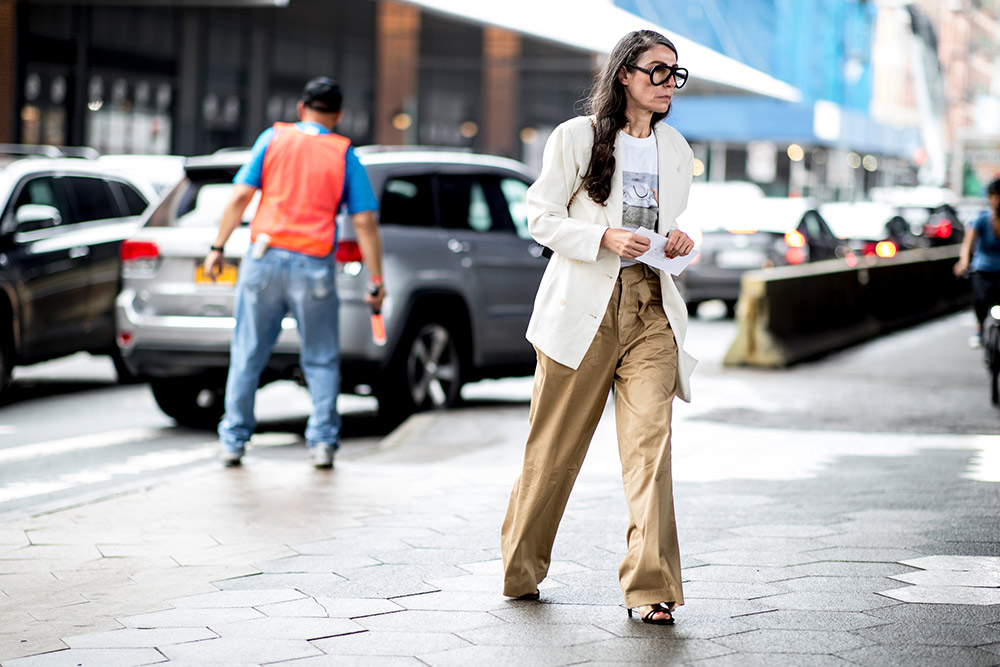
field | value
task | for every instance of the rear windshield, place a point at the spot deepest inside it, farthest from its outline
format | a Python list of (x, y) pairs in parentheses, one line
[(195, 203)]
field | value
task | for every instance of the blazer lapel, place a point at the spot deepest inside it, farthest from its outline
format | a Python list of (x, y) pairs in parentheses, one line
[(613, 207), (669, 178)]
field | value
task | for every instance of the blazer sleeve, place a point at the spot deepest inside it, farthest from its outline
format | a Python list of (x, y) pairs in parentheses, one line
[(564, 161)]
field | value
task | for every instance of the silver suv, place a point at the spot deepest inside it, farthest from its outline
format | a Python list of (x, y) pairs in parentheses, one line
[(460, 269)]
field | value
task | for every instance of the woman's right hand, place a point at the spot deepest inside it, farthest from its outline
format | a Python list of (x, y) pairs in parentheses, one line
[(624, 243), (961, 266)]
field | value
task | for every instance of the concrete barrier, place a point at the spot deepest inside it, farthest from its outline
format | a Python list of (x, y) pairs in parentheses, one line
[(793, 313)]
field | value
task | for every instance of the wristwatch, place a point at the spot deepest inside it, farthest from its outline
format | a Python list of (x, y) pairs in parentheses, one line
[(217, 248)]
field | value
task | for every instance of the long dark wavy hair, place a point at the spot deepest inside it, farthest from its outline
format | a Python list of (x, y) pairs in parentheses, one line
[(607, 104)]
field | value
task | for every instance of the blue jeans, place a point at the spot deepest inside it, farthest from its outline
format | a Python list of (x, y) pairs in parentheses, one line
[(283, 282)]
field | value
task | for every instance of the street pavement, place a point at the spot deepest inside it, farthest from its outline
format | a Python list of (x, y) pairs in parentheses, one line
[(844, 512)]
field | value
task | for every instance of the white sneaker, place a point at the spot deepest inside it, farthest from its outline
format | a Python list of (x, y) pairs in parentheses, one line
[(322, 455), (231, 458), (975, 342)]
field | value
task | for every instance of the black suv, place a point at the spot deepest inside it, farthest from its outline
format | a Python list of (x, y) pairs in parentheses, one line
[(62, 221)]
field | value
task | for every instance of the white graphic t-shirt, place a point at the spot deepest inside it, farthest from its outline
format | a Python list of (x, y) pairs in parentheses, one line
[(640, 199)]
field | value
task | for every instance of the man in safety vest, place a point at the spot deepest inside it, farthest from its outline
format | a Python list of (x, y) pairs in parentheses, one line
[(305, 174)]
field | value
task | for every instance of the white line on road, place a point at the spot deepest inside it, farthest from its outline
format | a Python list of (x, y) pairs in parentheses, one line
[(39, 450), (131, 466)]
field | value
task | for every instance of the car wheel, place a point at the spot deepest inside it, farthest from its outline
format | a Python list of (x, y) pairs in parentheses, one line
[(426, 373), (193, 402)]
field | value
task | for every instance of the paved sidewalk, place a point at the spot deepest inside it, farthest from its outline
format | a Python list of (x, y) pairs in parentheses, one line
[(799, 548)]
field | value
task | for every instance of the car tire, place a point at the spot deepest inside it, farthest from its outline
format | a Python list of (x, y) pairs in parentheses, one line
[(731, 309), (692, 307), (192, 402), (426, 372)]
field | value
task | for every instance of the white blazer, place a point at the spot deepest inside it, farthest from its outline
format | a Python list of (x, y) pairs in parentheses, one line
[(580, 277)]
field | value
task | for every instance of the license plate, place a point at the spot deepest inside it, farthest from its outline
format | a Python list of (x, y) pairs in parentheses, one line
[(227, 277), (739, 259)]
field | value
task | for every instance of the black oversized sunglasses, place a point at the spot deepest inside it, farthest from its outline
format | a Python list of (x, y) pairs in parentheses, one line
[(660, 73)]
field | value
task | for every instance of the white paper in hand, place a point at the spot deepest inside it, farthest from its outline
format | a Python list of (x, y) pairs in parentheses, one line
[(654, 256)]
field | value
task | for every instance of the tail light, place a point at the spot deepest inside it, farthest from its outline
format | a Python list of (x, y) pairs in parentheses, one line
[(942, 230), (797, 253), (132, 251), (794, 239), (348, 251), (885, 249)]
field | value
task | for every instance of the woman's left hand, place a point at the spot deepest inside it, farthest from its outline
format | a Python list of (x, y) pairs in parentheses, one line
[(679, 244)]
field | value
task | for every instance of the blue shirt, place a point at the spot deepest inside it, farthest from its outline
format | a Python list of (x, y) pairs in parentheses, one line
[(986, 255), (357, 195)]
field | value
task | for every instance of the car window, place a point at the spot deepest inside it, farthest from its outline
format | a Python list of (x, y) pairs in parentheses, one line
[(515, 192), (44, 190), (814, 226), (135, 203), (92, 198), (407, 200), (202, 204), (473, 203)]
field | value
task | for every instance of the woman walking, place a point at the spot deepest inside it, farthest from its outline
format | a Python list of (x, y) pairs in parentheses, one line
[(602, 320)]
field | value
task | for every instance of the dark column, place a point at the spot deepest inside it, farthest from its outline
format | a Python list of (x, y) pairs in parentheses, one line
[(191, 62), (76, 114), (8, 69), (258, 81), (501, 52), (397, 62)]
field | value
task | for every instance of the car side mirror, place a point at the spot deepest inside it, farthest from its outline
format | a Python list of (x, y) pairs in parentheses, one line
[(31, 217)]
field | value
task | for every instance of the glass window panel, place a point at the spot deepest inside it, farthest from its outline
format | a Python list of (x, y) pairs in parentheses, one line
[(407, 200), (93, 199)]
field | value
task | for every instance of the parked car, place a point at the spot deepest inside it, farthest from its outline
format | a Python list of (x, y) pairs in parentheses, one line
[(869, 228), (460, 269), (929, 212), (740, 234), (62, 221)]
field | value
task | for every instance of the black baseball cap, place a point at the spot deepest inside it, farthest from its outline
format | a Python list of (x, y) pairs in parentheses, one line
[(322, 94)]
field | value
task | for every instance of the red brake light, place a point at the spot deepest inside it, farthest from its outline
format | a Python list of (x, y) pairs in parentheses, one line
[(885, 249), (795, 255), (136, 250), (348, 251), (944, 230)]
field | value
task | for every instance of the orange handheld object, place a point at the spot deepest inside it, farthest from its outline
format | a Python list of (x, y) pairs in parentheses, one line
[(378, 328), (378, 324)]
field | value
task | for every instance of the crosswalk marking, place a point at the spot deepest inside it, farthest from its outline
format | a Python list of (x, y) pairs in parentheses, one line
[(39, 450)]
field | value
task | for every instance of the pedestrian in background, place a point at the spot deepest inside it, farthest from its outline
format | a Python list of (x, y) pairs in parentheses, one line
[(602, 321), (980, 255), (305, 173)]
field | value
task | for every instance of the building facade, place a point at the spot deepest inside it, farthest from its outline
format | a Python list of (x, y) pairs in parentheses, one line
[(194, 77), (827, 145)]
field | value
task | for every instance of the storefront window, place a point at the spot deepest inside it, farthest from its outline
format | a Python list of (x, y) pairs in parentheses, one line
[(128, 114)]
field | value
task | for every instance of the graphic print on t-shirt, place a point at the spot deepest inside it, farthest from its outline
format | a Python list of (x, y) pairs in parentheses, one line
[(640, 200)]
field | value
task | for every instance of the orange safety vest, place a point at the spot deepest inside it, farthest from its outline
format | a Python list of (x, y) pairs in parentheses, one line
[(302, 182)]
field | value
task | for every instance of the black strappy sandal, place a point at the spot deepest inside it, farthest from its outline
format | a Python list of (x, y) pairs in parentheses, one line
[(528, 596), (658, 608)]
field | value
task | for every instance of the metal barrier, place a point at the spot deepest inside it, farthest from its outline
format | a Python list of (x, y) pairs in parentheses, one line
[(793, 313)]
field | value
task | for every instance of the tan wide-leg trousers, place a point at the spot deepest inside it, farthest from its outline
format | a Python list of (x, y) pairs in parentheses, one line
[(635, 353)]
